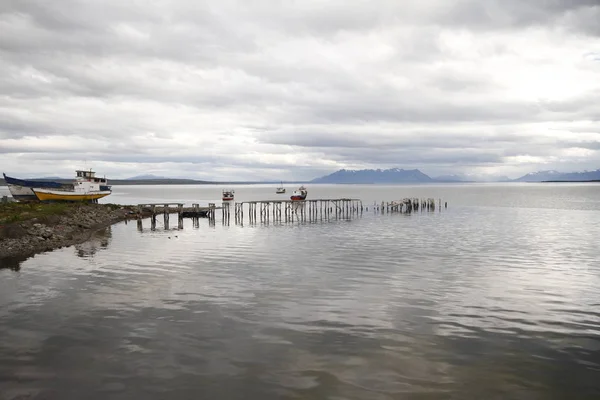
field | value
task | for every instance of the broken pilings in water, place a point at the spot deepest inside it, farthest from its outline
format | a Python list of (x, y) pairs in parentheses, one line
[(409, 205), (297, 210)]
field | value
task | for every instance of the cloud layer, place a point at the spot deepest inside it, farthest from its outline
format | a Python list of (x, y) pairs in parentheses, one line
[(293, 90)]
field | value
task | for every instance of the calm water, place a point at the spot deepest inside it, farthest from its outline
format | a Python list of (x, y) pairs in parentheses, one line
[(497, 297)]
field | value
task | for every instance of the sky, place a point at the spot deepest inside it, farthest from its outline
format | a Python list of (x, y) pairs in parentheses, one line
[(293, 90)]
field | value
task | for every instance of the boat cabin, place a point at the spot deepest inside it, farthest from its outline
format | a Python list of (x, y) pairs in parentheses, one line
[(89, 176), (228, 195), (86, 181)]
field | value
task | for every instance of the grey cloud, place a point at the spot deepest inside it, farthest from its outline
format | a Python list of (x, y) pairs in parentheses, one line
[(384, 104), (192, 162), (413, 139), (585, 144), (12, 128), (371, 84), (407, 157), (580, 107), (507, 14)]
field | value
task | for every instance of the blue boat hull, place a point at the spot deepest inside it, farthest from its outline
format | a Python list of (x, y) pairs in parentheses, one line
[(20, 189), (29, 183)]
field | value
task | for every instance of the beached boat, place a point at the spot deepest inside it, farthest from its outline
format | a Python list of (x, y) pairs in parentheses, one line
[(228, 195), (280, 189), (87, 187), (21, 189), (299, 194)]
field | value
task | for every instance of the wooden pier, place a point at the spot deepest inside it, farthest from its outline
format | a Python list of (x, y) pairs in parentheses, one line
[(195, 211), (295, 210), (266, 211)]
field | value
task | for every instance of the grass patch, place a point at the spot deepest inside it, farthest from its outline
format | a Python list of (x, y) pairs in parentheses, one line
[(17, 212)]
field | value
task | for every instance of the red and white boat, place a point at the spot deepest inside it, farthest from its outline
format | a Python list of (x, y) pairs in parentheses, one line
[(299, 194), (228, 195)]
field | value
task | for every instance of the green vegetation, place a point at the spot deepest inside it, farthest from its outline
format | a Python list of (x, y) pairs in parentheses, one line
[(17, 212)]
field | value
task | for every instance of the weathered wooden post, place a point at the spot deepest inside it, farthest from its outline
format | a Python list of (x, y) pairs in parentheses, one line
[(166, 218)]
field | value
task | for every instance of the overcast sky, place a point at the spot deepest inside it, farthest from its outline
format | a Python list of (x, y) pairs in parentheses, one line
[(253, 90)]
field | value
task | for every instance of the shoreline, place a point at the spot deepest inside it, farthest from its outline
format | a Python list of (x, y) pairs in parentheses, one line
[(67, 226)]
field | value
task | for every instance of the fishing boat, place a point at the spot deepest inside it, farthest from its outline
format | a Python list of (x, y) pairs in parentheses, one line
[(280, 189), (228, 195), (299, 194), (21, 189), (86, 187)]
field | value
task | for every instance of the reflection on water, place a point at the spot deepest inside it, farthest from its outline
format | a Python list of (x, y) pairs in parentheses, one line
[(166, 222), (472, 303), (99, 240), (12, 263)]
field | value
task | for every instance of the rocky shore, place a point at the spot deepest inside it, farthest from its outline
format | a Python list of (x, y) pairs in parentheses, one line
[(73, 225)]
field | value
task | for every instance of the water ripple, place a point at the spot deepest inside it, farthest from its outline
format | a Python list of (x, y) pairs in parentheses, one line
[(470, 303)]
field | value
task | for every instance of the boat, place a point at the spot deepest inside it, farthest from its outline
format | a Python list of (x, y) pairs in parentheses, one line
[(228, 195), (299, 194), (21, 189), (280, 189), (86, 187)]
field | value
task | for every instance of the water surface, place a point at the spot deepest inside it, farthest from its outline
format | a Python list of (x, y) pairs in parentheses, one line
[(496, 297)]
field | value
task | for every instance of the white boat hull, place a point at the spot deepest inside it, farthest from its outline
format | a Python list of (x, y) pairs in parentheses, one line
[(22, 193)]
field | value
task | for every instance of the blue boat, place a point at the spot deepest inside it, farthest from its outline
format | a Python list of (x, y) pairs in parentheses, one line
[(20, 189)]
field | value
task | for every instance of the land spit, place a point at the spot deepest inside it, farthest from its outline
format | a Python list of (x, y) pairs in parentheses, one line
[(31, 228), (28, 229)]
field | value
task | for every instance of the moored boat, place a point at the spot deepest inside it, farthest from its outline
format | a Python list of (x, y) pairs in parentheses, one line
[(87, 187), (21, 189), (280, 189), (228, 195), (68, 195), (299, 194)]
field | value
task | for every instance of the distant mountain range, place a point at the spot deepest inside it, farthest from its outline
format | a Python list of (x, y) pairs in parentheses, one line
[(398, 175), (471, 178), (545, 176), (394, 175)]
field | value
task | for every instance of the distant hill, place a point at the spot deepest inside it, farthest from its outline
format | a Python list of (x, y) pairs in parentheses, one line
[(539, 176), (144, 177), (394, 175), (555, 176), (581, 176), (471, 178), (398, 175)]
